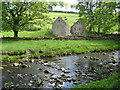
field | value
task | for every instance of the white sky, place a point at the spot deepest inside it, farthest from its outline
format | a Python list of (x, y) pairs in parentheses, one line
[(69, 1)]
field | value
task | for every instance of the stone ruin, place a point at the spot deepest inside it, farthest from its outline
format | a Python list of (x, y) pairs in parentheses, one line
[(60, 28), (77, 29)]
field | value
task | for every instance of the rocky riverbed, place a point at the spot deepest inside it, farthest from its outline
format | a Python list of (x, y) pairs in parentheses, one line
[(65, 72)]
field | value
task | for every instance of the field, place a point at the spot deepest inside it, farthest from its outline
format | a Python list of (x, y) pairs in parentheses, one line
[(45, 30)]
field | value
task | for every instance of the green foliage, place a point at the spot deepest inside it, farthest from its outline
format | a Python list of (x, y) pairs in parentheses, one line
[(110, 82), (17, 14), (45, 29), (8, 84), (98, 16)]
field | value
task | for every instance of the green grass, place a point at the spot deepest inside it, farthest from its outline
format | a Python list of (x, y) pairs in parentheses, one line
[(28, 34), (110, 82), (53, 47), (71, 18), (45, 30), (81, 45)]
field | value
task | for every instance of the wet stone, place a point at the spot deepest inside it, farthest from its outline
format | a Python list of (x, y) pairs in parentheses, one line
[(66, 71), (29, 84), (46, 71), (38, 81), (24, 65), (32, 61), (16, 64)]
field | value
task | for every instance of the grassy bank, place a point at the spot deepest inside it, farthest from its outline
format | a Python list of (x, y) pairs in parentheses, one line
[(110, 82), (58, 47)]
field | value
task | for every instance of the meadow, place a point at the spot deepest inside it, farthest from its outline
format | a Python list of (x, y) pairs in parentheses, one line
[(45, 31), (112, 82), (57, 47)]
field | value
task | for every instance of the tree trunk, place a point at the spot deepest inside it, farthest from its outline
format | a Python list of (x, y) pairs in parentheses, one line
[(99, 28), (15, 34), (90, 29)]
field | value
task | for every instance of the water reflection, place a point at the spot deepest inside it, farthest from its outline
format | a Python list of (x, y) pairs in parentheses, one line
[(66, 72)]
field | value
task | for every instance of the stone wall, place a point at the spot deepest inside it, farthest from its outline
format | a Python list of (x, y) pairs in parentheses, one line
[(60, 28), (77, 29)]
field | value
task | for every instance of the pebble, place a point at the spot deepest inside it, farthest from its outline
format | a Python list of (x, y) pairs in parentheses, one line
[(29, 84)]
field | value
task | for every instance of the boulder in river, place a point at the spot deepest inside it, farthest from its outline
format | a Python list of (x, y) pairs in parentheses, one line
[(66, 71), (38, 81), (16, 64), (24, 65), (46, 71)]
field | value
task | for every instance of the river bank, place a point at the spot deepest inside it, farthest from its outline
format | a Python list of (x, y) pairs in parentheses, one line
[(13, 50)]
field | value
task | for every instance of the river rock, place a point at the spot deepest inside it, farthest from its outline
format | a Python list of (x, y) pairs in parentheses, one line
[(77, 71), (62, 74), (46, 71), (24, 65), (47, 78), (29, 84), (59, 81), (38, 81), (39, 68), (19, 75), (54, 77), (47, 64), (1, 67), (85, 56), (73, 79), (66, 71), (16, 64), (31, 81), (17, 85), (45, 61), (32, 60), (76, 83), (77, 75), (61, 68), (21, 62), (104, 53)]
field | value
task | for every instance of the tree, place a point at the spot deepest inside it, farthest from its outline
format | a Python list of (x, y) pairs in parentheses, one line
[(17, 14), (73, 5), (105, 16), (86, 10), (61, 4), (97, 14)]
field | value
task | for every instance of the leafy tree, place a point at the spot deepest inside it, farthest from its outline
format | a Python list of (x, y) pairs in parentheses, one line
[(61, 3), (96, 14), (17, 14), (105, 16), (86, 10), (73, 6)]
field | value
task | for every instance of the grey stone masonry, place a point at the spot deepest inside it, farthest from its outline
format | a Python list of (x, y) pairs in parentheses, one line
[(78, 29), (60, 28)]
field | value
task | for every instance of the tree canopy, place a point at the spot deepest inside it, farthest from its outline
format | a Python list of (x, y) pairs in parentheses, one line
[(100, 16), (17, 14)]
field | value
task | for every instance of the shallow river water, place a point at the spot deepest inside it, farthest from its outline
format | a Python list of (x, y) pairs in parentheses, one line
[(65, 72)]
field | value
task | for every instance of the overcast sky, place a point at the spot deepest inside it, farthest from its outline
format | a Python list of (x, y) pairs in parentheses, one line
[(69, 1)]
